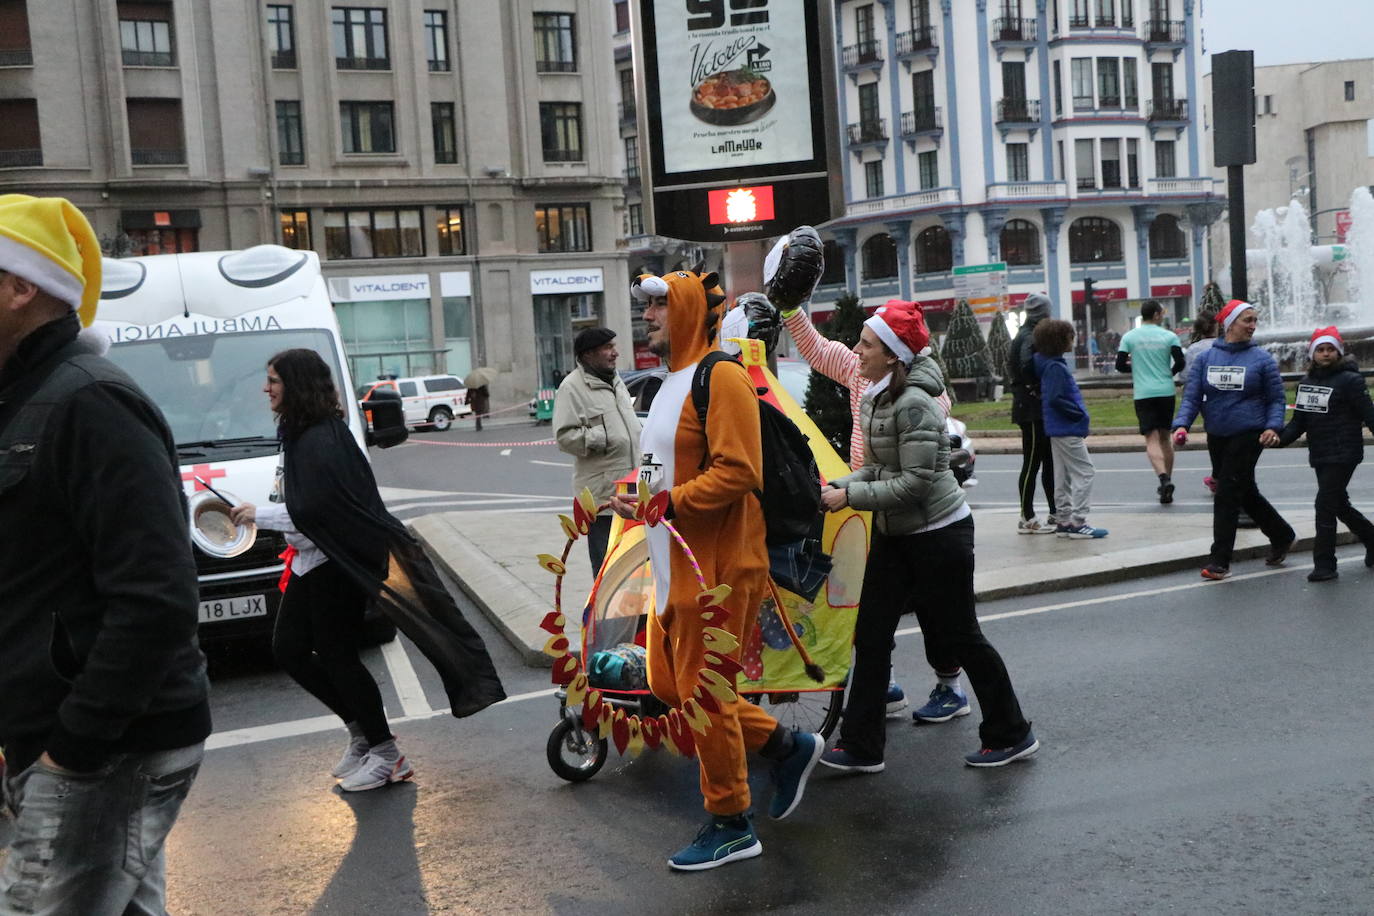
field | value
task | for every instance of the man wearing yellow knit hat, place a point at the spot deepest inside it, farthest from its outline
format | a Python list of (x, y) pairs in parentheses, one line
[(103, 694)]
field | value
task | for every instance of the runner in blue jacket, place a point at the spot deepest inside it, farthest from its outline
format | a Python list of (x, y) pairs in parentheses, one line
[(1237, 387)]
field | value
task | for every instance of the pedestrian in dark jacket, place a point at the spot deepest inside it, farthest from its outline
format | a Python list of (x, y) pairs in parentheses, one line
[(1237, 388), (1066, 424), (1026, 413), (104, 713), (1332, 408)]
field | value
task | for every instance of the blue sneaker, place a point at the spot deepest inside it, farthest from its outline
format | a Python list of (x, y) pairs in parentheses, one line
[(1082, 532), (896, 699), (841, 759), (718, 843), (790, 773), (1001, 756), (945, 703)]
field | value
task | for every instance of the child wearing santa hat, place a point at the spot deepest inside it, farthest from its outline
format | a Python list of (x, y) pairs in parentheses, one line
[(1332, 406)]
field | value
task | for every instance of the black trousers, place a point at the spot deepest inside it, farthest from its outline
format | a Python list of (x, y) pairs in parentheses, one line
[(937, 568), (319, 625), (1333, 504), (1035, 456), (1236, 457), (598, 537)]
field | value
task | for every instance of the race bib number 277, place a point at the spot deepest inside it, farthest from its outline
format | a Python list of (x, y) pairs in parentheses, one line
[(1226, 378)]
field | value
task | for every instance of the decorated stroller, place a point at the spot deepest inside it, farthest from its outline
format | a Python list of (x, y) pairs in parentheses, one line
[(794, 662)]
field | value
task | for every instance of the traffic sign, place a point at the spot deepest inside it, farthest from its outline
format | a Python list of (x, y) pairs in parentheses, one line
[(983, 285)]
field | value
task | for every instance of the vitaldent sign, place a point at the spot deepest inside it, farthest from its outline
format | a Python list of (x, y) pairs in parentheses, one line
[(379, 288), (555, 282)]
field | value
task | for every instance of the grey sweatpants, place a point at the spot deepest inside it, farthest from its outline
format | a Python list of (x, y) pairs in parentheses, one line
[(1073, 479)]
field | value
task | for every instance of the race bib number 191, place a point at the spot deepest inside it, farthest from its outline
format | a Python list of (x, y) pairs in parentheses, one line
[(1313, 398), (1226, 378)]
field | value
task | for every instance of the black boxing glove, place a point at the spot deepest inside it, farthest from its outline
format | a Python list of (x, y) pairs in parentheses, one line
[(801, 262)]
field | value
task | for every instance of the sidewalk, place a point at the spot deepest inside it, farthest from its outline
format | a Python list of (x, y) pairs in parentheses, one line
[(491, 556)]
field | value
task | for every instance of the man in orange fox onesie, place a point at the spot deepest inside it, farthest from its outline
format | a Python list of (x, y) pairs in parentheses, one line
[(710, 472)]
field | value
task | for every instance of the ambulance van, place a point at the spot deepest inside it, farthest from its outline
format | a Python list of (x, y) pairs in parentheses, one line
[(196, 331)]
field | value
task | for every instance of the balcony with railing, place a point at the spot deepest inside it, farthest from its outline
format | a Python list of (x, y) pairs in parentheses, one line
[(555, 66), (1080, 22), (16, 57), (917, 42), (1165, 33), (1193, 187), (924, 121), (869, 132), (158, 156), (20, 158), (362, 63), (284, 60), (1167, 110), (1013, 32), (1027, 190), (148, 58), (936, 197), (1018, 111), (864, 55)]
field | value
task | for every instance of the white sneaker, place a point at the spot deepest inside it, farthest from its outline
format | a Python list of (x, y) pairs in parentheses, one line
[(376, 771), (1031, 526), (352, 756)]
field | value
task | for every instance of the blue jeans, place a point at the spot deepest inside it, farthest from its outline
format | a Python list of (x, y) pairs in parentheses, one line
[(92, 843)]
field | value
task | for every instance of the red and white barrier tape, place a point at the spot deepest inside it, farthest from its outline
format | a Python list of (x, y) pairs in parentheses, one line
[(484, 444)]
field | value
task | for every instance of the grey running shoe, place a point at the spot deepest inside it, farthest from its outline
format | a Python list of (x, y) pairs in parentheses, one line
[(377, 770), (352, 756)]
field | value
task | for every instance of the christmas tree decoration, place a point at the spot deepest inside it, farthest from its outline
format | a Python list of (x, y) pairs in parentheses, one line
[(965, 351), (999, 342)]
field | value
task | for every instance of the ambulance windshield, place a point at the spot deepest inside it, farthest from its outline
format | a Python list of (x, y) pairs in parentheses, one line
[(210, 386)]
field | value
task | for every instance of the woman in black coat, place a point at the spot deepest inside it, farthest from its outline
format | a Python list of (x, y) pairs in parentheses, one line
[(1332, 407)]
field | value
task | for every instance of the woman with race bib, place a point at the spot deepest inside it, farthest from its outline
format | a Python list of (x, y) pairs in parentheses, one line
[(1237, 387)]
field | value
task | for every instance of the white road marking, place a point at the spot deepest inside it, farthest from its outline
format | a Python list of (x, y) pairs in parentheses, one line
[(505, 452), (404, 679), (552, 464)]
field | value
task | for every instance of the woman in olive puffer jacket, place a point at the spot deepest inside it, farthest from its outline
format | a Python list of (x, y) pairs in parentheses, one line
[(922, 546)]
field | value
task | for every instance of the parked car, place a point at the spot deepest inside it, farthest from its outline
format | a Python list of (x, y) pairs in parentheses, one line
[(430, 401)]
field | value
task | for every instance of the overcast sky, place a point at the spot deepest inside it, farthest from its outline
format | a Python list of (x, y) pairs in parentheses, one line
[(1288, 32)]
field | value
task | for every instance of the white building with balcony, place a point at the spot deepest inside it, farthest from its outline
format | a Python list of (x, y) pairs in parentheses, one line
[(1058, 136)]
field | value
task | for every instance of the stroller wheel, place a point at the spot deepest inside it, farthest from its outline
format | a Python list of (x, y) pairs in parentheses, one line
[(808, 711), (575, 754)]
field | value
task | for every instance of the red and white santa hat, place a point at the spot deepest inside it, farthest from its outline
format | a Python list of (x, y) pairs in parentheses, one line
[(902, 327), (1326, 335), (1233, 309)]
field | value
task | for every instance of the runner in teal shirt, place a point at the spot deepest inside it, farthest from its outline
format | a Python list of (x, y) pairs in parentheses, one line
[(1153, 354)]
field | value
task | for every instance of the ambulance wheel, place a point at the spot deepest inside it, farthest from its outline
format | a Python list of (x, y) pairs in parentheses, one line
[(575, 754), (807, 711), (440, 418)]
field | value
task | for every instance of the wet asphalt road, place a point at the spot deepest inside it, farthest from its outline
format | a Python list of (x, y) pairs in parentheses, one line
[(1207, 749)]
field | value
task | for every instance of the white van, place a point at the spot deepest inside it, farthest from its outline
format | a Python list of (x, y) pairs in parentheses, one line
[(431, 401), (195, 331)]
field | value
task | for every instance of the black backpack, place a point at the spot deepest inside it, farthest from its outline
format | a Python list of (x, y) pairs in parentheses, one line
[(791, 494)]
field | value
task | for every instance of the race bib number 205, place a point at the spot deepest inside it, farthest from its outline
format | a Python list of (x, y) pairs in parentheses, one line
[(1226, 378)]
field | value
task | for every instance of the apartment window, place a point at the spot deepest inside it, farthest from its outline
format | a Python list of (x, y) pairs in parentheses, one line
[(1350, 90), (360, 39), (1164, 159), (1018, 162), (290, 134), (834, 263), (563, 227), (1111, 163), (1162, 82), (1014, 81), (448, 224), (1093, 239), (15, 49), (1020, 243), (622, 16), (1167, 242), (1084, 163), (1108, 82), (1129, 88), (868, 104), (1132, 163), (879, 257), (632, 158), (626, 75), (281, 36), (436, 40), (1081, 79), (1269, 104), (920, 16), (145, 34), (1106, 13), (1059, 159), (934, 251), (155, 136), (555, 43), (368, 127), (373, 234), (444, 125), (295, 229), (1058, 89), (863, 27), (1078, 17), (923, 95), (873, 178), (635, 215), (20, 144), (928, 169), (144, 242), (1128, 14), (560, 126)]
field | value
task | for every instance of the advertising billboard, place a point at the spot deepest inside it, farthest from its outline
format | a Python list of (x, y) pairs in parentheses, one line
[(737, 116)]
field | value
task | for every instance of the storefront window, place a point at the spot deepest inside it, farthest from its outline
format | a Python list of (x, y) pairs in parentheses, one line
[(458, 334), (387, 337)]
